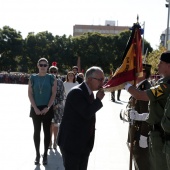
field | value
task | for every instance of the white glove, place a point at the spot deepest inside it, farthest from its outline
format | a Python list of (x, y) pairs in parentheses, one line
[(143, 141), (134, 115), (127, 86)]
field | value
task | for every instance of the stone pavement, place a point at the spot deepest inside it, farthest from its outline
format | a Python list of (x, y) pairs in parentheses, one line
[(16, 143)]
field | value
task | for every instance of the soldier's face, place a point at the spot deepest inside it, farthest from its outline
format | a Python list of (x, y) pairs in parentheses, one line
[(164, 68), (75, 71)]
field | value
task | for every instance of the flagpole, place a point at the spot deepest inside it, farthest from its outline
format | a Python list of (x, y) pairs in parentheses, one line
[(132, 131), (132, 127)]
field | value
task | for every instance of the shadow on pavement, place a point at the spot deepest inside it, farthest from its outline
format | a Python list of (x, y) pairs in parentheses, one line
[(55, 161)]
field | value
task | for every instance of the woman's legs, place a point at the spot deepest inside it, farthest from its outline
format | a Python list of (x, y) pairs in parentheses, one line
[(118, 94), (55, 135), (47, 134), (51, 132), (36, 136)]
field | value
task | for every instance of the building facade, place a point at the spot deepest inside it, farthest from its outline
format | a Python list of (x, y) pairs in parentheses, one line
[(108, 28)]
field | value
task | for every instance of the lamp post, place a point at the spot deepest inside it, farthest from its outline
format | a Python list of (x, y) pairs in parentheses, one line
[(167, 31)]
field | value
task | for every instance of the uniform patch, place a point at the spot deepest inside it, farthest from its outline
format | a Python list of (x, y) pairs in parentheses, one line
[(157, 91)]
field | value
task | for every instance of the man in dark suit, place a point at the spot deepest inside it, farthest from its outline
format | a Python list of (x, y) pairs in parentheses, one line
[(77, 129)]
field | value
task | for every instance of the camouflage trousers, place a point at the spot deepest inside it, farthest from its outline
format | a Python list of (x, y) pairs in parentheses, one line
[(166, 150), (158, 157)]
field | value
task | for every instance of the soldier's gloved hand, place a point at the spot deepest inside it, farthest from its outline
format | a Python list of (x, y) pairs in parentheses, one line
[(127, 85), (143, 141), (134, 115)]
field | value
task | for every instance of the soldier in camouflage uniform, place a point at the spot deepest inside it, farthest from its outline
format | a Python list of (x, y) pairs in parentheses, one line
[(166, 127), (157, 96), (141, 127), (165, 123)]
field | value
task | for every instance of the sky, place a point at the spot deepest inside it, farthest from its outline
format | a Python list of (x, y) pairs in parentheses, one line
[(59, 16)]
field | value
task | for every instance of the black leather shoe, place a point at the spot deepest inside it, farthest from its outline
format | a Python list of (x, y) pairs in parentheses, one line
[(113, 100), (44, 160), (37, 160)]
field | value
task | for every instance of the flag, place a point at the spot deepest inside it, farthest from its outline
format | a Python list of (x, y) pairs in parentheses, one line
[(131, 66)]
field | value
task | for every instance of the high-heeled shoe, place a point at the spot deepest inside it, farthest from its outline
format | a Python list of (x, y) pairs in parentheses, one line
[(37, 160), (45, 160)]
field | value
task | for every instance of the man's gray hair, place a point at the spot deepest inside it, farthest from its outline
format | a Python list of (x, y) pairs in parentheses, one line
[(92, 71)]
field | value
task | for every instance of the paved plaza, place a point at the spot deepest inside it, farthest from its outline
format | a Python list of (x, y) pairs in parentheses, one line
[(16, 129)]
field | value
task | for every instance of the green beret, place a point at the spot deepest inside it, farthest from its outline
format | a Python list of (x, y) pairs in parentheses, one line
[(165, 57)]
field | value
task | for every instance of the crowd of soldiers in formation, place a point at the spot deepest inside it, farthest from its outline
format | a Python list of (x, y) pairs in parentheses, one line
[(22, 78), (14, 78), (17, 78)]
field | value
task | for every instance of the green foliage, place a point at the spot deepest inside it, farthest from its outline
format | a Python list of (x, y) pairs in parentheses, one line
[(153, 58), (105, 51), (11, 45)]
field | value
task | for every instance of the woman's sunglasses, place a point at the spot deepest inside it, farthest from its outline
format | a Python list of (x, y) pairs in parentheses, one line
[(43, 65)]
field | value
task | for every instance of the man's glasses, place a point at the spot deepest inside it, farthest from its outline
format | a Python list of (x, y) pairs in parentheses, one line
[(101, 80), (53, 72), (43, 65)]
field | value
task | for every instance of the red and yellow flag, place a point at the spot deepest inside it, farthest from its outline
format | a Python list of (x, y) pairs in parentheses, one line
[(131, 67)]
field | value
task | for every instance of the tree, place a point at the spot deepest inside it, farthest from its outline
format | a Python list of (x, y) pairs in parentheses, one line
[(11, 44), (37, 46), (94, 48), (154, 57)]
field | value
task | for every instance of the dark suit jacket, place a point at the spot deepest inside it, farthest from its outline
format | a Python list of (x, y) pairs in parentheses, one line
[(78, 118), (79, 79)]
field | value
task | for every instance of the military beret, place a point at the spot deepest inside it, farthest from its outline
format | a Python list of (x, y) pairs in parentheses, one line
[(75, 67), (165, 57), (146, 67)]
